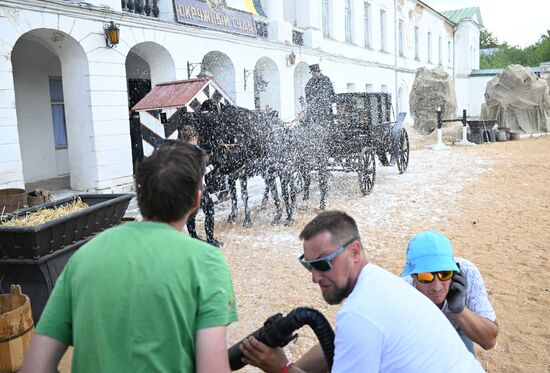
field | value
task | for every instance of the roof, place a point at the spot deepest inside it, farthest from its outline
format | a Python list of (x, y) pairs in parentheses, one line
[(492, 72), (174, 94), (457, 15), (424, 4)]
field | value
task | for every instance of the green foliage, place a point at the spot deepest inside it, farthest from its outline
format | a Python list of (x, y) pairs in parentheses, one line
[(487, 39), (506, 55)]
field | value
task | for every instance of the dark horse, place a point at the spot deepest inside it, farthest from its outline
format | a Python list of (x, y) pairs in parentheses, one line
[(237, 140), (300, 150)]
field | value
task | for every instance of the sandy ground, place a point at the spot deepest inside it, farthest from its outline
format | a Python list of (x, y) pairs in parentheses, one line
[(493, 201)]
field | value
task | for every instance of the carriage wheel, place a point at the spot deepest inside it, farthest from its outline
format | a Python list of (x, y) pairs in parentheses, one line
[(403, 151), (367, 170)]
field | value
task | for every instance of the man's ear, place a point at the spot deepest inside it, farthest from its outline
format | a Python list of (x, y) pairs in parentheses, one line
[(356, 250)]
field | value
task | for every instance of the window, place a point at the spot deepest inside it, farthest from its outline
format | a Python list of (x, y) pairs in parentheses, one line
[(416, 42), (369, 88), (261, 29), (440, 51), (350, 87), (449, 53), (366, 18), (382, 30), (58, 113), (429, 47), (401, 36), (297, 37), (326, 24), (347, 11), (384, 88)]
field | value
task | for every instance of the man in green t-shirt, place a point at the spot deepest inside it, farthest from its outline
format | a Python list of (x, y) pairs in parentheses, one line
[(143, 296)]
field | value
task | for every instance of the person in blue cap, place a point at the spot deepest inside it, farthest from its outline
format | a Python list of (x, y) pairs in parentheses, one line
[(455, 285)]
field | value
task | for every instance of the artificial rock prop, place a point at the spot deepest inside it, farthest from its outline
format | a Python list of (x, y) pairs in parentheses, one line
[(432, 88), (518, 100)]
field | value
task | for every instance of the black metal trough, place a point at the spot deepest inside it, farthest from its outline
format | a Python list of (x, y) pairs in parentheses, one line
[(34, 257)]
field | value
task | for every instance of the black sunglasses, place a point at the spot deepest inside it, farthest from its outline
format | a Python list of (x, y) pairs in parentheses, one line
[(324, 263)]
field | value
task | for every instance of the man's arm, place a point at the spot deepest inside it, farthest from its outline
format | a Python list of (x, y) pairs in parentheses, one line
[(270, 360), (313, 361), (470, 316), (43, 355), (480, 329), (211, 352)]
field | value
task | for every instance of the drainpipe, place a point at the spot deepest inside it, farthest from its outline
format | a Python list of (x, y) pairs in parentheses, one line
[(396, 51)]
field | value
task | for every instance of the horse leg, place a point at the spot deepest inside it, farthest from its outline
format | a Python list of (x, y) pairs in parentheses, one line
[(323, 186), (307, 182), (265, 198), (233, 193), (277, 201), (244, 195), (286, 184), (207, 205), (306, 176)]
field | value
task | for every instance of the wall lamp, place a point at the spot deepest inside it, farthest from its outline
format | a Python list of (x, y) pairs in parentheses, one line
[(191, 66), (112, 34), (291, 58), (246, 75)]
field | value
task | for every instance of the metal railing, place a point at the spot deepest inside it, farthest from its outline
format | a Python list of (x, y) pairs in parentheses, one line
[(297, 37), (146, 7)]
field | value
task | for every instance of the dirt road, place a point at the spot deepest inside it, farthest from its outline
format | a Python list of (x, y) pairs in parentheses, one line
[(493, 201)]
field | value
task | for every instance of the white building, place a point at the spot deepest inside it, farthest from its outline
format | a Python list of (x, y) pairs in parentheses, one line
[(65, 96)]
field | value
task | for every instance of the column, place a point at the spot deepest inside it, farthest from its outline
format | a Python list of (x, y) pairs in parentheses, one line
[(278, 29), (308, 17)]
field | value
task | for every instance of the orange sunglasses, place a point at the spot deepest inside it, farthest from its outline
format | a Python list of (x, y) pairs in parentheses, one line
[(427, 277)]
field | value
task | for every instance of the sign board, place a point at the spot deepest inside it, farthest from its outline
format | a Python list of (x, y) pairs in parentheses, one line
[(198, 13)]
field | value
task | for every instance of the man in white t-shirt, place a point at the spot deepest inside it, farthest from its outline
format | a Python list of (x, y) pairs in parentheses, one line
[(385, 325), (455, 285)]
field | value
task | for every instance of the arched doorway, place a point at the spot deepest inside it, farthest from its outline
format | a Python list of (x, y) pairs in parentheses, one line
[(267, 85), (147, 64), (218, 65), (52, 90), (301, 77)]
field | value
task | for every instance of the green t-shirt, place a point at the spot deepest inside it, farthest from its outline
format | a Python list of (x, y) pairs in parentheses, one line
[(132, 299)]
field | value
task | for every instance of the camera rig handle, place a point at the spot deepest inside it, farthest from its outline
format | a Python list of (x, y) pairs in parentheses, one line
[(278, 330)]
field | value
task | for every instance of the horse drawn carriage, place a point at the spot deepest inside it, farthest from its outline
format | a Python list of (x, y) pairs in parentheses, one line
[(242, 143), (362, 129)]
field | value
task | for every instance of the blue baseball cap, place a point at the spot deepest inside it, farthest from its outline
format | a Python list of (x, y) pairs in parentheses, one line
[(429, 251)]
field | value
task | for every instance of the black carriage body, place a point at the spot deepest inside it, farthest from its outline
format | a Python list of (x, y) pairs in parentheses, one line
[(361, 129), (361, 120)]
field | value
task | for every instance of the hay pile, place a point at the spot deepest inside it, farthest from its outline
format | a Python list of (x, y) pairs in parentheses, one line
[(43, 215)]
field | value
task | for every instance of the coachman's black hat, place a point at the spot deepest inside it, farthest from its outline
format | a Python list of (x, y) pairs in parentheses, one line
[(314, 68)]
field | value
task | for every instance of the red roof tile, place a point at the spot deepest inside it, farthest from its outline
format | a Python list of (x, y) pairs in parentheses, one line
[(172, 94)]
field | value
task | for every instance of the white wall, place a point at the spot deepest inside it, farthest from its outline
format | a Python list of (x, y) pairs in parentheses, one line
[(467, 46), (471, 94), (99, 99)]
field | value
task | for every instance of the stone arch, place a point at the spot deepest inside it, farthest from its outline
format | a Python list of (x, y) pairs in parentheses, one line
[(147, 64), (220, 66), (301, 77), (39, 57), (266, 71), (149, 60)]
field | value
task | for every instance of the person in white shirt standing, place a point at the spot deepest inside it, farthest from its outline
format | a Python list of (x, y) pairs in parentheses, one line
[(385, 325), (455, 285)]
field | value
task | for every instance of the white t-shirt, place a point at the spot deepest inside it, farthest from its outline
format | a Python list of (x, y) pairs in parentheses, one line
[(388, 326), (477, 300)]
